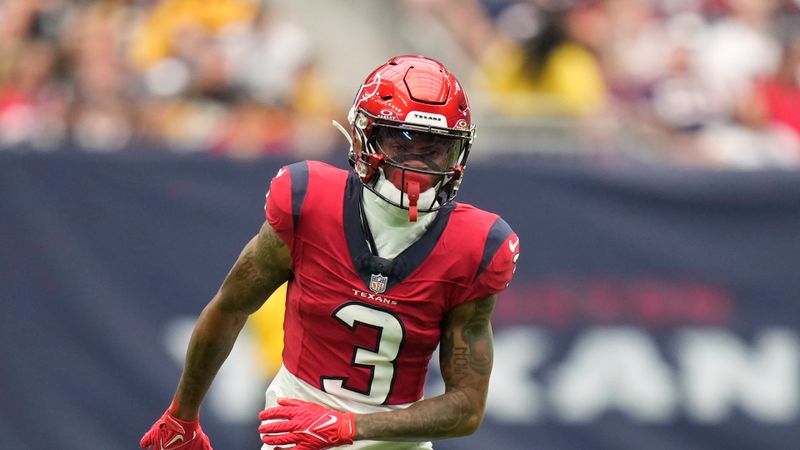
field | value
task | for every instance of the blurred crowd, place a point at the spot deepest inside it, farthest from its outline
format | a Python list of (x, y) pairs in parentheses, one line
[(708, 82), (185, 75), (711, 82)]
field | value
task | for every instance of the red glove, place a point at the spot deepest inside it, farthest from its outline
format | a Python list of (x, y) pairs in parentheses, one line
[(307, 425), (171, 433)]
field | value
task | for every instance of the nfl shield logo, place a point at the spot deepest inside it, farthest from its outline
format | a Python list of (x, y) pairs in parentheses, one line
[(377, 283)]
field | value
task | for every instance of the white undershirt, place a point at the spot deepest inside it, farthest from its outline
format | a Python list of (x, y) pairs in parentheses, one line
[(390, 227)]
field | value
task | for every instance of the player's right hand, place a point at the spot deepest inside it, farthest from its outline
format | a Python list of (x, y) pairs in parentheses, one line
[(171, 433), (302, 425)]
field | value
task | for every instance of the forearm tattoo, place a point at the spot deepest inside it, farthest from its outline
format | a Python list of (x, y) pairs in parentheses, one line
[(263, 265)]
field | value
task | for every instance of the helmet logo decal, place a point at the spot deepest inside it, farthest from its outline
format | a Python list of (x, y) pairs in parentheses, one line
[(387, 113), (421, 118), (461, 124), (369, 89)]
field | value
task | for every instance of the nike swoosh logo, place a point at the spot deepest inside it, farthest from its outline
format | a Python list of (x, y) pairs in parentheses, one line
[(331, 420), (176, 438), (513, 245)]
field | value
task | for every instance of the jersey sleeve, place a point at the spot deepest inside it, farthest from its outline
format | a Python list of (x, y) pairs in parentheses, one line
[(285, 200), (498, 263)]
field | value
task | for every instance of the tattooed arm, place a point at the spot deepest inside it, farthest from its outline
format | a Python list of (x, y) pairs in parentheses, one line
[(465, 355), (263, 265)]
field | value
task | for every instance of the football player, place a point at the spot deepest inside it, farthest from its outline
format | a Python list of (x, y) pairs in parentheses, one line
[(382, 266)]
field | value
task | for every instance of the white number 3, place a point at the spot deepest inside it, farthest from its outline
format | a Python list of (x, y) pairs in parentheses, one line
[(380, 359)]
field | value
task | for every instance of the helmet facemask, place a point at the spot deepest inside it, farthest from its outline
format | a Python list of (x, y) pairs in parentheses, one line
[(411, 131), (413, 158)]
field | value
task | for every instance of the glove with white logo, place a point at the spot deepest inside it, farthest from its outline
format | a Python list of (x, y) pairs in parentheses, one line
[(307, 425), (171, 433)]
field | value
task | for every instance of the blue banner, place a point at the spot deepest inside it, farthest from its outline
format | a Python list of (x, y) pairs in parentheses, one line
[(652, 307)]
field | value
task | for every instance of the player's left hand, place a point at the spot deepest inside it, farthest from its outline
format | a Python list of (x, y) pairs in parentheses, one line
[(307, 425)]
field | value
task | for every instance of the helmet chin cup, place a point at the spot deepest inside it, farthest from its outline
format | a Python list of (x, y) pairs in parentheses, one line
[(410, 183), (405, 179), (401, 177)]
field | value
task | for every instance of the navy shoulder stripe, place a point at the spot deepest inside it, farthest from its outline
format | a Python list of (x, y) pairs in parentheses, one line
[(299, 174), (498, 234)]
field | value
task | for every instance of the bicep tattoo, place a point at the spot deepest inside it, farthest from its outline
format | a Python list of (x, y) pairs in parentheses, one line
[(263, 265), (466, 351)]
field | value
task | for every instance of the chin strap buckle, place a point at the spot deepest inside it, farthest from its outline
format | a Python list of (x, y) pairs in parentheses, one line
[(458, 174), (368, 166), (375, 160), (374, 163)]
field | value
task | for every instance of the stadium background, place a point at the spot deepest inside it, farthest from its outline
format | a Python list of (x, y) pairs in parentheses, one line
[(645, 151)]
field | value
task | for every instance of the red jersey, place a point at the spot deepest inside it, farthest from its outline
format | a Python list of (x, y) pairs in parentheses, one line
[(363, 327)]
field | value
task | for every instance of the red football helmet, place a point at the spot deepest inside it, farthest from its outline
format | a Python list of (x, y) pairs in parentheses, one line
[(411, 124)]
